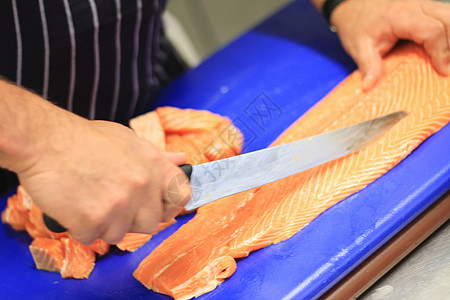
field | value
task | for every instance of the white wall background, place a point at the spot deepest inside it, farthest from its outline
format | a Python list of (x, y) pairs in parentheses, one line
[(199, 27)]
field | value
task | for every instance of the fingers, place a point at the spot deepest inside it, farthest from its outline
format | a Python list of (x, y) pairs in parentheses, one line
[(425, 22), (86, 232), (176, 194), (368, 59), (429, 26), (370, 29), (156, 198), (431, 34), (369, 63), (117, 230), (147, 214), (176, 158), (359, 29), (106, 182), (169, 192), (441, 13), (178, 190), (107, 222)]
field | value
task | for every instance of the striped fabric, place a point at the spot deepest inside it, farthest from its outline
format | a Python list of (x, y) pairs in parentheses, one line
[(101, 59)]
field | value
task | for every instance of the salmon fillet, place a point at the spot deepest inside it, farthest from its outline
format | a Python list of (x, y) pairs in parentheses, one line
[(58, 252), (202, 253)]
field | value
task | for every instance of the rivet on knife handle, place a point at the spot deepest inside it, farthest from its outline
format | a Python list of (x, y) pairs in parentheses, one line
[(54, 226)]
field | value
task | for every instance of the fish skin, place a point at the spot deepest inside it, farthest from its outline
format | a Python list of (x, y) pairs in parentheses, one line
[(236, 225)]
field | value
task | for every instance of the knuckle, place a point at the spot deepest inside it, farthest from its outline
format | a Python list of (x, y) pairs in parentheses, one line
[(117, 202), (145, 226), (113, 238), (83, 236), (395, 11), (435, 29), (137, 177), (85, 240), (169, 214), (93, 218), (147, 220), (142, 179), (166, 218)]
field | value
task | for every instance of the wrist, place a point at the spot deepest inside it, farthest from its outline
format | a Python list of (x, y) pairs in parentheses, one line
[(328, 8)]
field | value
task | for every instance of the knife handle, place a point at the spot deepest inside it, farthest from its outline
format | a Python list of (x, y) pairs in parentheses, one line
[(187, 169), (54, 226)]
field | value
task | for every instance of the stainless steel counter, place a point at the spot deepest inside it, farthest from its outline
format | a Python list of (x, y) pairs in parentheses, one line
[(423, 274)]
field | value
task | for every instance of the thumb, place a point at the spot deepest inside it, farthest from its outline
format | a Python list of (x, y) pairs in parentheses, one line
[(175, 158), (370, 64), (178, 190), (176, 196)]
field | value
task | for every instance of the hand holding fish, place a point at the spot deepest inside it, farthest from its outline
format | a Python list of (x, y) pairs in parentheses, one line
[(368, 29)]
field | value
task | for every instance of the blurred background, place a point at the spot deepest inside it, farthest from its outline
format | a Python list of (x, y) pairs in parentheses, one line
[(198, 28)]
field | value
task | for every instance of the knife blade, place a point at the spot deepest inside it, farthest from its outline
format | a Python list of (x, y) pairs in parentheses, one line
[(217, 179)]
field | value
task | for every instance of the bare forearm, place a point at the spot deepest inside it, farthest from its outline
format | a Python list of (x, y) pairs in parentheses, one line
[(25, 119), (97, 178), (17, 127)]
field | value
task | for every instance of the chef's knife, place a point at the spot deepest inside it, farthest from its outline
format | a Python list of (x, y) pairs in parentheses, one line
[(217, 179)]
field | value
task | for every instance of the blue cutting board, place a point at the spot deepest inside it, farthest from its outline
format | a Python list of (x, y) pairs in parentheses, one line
[(264, 81)]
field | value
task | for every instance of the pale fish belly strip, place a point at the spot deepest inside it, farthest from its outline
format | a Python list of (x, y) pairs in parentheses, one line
[(196, 258)]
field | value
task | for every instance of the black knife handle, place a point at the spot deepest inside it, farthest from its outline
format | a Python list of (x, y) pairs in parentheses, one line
[(54, 226), (187, 169)]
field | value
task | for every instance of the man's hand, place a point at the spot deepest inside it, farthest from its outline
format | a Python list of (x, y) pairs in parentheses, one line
[(96, 178), (368, 29), (99, 180)]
